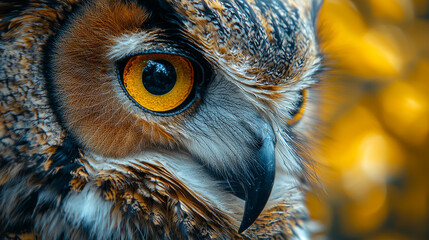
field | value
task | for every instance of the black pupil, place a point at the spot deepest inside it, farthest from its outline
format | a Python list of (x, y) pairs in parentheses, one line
[(159, 77)]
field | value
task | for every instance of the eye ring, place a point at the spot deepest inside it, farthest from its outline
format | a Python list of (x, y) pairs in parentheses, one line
[(170, 86), (299, 110)]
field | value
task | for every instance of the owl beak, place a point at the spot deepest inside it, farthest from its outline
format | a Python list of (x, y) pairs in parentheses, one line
[(257, 191)]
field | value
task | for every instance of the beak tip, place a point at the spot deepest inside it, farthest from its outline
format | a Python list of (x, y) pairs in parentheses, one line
[(242, 228), (248, 221), (258, 193)]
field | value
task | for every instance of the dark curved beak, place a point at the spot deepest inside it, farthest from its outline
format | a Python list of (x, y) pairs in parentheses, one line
[(258, 190)]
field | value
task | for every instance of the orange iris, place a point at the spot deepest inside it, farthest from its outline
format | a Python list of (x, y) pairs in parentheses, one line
[(159, 82)]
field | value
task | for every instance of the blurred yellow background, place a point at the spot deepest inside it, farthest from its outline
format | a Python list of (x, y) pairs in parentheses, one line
[(375, 156)]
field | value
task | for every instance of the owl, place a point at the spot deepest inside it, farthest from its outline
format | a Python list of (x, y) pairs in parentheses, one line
[(157, 119)]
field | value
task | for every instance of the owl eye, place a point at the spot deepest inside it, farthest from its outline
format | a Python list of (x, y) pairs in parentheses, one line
[(159, 82), (299, 107)]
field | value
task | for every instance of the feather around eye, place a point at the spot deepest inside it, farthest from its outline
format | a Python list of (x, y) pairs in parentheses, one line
[(159, 82)]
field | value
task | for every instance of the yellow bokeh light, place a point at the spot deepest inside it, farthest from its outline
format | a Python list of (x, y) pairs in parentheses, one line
[(375, 156), (346, 137), (406, 112), (359, 217), (380, 156), (358, 48), (392, 10)]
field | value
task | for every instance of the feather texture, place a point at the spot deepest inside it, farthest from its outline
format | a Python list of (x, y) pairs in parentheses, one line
[(79, 160)]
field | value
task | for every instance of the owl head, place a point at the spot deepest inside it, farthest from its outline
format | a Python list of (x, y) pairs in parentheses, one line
[(157, 119)]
